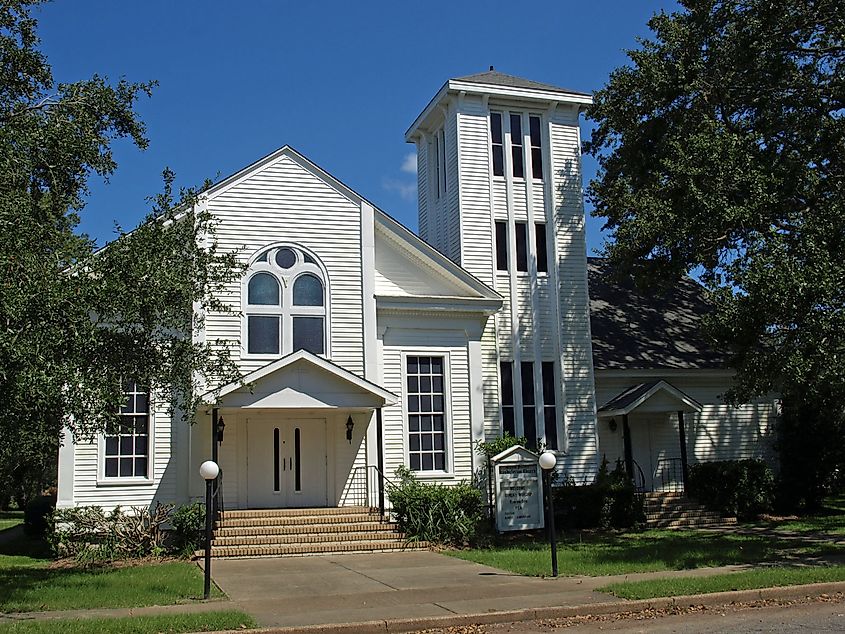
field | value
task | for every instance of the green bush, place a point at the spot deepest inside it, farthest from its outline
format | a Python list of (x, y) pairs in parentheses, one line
[(609, 502), (434, 512), (36, 515), (188, 523), (744, 488)]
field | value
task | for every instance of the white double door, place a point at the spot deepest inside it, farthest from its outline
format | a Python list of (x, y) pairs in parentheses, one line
[(286, 463)]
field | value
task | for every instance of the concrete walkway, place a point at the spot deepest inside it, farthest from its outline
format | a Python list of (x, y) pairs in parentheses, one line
[(367, 587)]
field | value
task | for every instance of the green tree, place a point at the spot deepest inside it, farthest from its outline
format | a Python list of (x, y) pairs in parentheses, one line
[(75, 322), (721, 148)]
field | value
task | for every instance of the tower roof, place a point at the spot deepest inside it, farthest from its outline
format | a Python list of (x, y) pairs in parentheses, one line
[(493, 77)]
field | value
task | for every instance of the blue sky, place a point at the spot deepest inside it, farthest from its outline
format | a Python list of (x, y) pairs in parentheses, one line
[(338, 81)]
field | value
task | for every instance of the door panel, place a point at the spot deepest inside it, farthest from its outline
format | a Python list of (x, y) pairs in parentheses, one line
[(286, 463)]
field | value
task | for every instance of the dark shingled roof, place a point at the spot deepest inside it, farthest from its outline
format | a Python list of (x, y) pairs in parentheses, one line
[(636, 331), (496, 78)]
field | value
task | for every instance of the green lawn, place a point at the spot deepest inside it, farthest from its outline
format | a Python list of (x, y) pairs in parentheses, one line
[(747, 580), (830, 520), (8, 519), (164, 624), (604, 554), (28, 583)]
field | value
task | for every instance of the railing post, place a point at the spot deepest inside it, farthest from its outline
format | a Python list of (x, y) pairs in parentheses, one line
[(380, 450)]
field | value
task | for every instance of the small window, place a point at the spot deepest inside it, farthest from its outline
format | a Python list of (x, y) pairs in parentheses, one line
[(521, 246), (536, 147), (308, 334), (508, 420), (549, 408), (541, 250), (285, 258), (516, 146), (127, 443), (442, 160), (426, 402), (307, 291), (437, 167), (501, 245), (497, 147), (529, 415)]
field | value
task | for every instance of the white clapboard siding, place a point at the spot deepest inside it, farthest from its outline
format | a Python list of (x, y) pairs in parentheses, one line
[(452, 206), (520, 201), (398, 273), (421, 341), (285, 202), (163, 488), (576, 347), (719, 432), (424, 213)]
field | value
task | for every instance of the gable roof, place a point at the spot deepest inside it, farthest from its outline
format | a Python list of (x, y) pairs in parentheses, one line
[(632, 330), (302, 360), (637, 395), (493, 77)]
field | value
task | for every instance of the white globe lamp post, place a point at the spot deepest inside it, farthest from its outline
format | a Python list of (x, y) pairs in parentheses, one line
[(547, 463), (209, 470)]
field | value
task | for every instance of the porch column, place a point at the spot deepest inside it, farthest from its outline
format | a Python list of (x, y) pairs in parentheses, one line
[(380, 459), (682, 432), (629, 455), (215, 450)]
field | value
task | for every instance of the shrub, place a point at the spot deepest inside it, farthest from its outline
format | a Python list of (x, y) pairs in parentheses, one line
[(36, 514), (434, 512), (91, 535), (744, 488), (609, 502), (188, 523)]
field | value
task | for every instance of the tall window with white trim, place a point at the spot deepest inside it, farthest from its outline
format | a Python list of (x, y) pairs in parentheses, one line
[(285, 307), (127, 442), (426, 405)]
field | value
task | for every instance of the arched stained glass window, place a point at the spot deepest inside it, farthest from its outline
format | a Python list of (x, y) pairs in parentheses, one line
[(307, 291), (263, 290), (286, 303)]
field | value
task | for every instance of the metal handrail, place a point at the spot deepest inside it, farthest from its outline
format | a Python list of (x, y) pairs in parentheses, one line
[(639, 486), (671, 474)]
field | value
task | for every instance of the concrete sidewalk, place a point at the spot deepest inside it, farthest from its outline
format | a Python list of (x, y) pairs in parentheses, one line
[(383, 586)]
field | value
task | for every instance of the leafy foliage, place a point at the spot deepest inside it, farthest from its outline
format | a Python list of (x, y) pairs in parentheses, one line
[(609, 502), (741, 488), (78, 322), (498, 445), (721, 150), (36, 516), (434, 512), (188, 523), (91, 535)]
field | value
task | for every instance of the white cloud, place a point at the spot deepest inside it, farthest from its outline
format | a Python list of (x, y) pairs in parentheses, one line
[(407, 190), (409, 165)]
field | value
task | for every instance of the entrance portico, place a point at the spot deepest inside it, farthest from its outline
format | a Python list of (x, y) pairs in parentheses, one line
[(295, 435)]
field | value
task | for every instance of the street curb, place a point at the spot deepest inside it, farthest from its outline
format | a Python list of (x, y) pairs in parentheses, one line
[(395, 626)]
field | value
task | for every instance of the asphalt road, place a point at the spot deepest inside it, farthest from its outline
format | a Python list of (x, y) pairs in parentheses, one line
[(814, 616)]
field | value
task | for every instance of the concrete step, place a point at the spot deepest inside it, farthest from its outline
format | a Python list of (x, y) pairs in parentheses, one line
[(299, 512), (283, 550), (693, 523), (302, 529), (682, 515), (298, 520), (318, 538)]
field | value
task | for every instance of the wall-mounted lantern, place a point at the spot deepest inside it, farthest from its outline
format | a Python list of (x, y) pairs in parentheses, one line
[(350, 425), (612, 424), (220, 427)]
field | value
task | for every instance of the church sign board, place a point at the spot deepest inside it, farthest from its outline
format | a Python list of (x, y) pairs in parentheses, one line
[(519, 490)]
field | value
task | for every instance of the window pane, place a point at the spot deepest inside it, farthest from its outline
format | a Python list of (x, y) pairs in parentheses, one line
[(415, 461), (501, 245), (307, 291), (427, 462), (521, 246), (508, 424), (440, 461), (527, 383), (285, 258), (537, 163), (140, 424), (548, 383), (111, 445), (413, 384), (550, 416), (413, 365), (414, 423), (308, 334), (263, 335), (498, 160), (263, 290), (141, 467), (534, 129), (529, 426), (111, 467), (516, 129), (506, 370), (516, 146), (125, 467), (436, 365), (308, 259), (141, 445), (426, 420), (496, 127), (141, 403), (262, 257), (127, 445), (540, 240)]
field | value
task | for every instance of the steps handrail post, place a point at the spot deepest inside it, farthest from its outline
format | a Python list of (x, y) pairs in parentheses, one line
[(380, 450)]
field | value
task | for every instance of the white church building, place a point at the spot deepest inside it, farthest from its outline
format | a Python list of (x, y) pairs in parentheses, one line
[(365, 346)]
